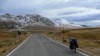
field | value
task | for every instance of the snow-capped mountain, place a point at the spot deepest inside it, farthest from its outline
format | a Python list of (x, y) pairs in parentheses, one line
[(59, 22), (23, 21), (29, 20), (6, 22), (66, 24)]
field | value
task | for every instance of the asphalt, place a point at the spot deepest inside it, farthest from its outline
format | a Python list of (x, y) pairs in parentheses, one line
[(38, 45)]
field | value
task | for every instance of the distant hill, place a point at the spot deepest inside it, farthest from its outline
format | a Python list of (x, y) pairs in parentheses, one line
[(84, 25)]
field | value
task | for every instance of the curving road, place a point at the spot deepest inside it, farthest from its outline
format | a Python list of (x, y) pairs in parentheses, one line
[(38, 45)]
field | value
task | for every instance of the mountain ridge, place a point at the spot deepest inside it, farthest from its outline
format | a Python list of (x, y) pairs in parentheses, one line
[(24, 21)]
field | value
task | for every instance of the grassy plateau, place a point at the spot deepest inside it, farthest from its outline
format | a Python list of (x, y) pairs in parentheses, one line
[(88, 39), (9, 40)]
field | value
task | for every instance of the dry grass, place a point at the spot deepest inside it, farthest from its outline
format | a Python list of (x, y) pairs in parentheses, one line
[(88, 39), (8, 41)]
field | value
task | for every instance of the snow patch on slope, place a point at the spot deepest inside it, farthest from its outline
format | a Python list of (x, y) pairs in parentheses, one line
[(65, 24)]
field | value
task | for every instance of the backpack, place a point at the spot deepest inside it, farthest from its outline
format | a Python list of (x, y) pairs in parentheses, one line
[(73, 43)]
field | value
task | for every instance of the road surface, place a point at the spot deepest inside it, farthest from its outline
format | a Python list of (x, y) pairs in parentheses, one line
[(38, 45)]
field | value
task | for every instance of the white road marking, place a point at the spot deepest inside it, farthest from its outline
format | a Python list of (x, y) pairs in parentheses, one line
[(68, 47), (48, 38), (18, 46)]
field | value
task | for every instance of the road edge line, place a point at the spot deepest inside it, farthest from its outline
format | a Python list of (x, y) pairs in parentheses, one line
[(67, 46), (18, 46)]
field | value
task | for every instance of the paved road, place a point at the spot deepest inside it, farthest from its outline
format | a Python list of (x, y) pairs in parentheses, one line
[(38, 45)]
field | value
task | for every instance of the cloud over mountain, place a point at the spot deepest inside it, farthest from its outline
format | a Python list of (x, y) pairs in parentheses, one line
[(73, 10)]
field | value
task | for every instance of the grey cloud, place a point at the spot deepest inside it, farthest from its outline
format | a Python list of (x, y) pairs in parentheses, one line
[(67, 13), (84, 3), (38, 6), (84, 18)]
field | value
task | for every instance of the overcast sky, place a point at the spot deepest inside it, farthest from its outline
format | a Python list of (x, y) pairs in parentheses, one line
[(76, 11)]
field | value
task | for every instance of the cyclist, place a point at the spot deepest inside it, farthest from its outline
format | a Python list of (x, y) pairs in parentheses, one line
[(73, 43)]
